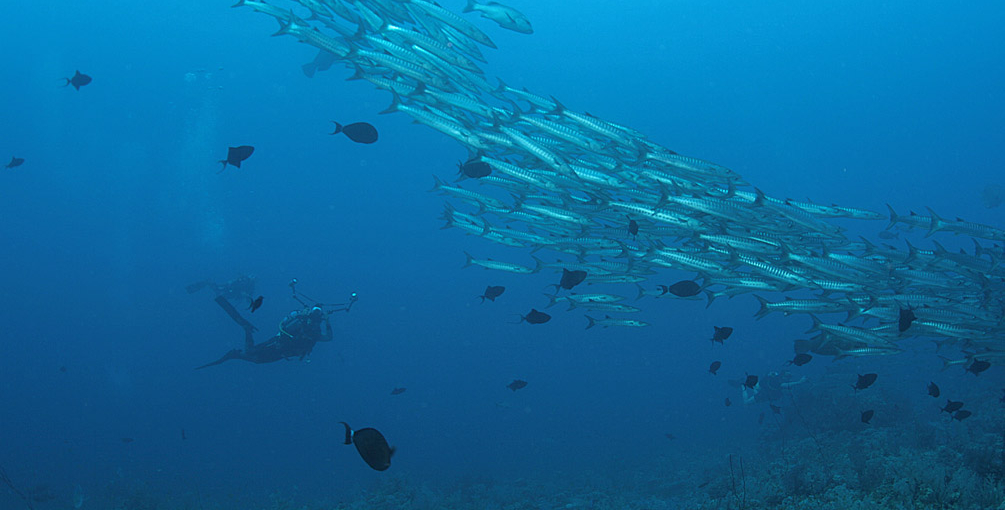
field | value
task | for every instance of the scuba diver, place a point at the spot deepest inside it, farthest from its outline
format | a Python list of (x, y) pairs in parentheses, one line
[(769, 388), (240, 288), (298, 333)]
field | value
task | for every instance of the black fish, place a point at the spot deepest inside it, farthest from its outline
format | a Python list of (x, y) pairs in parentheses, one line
[(571, 278), (126, 440), (371, 445), (864, 381), (517, 384), (492, 292), (728, 403), (235, 155), (183, 436), (256, 304), (683, 288), (751, 381), (933, 390), (535, 317), (714, 367), (359, 132), (800, 359), (397, 391), (721, 333), (474, 168), (15, 162), (1002, 399), (322, 62), (633, 227), (867, 415), (775, 409), (978, 366), (669, 436), (952, 407), (78, 80), (962, 415), (906, 318), (62, 369)]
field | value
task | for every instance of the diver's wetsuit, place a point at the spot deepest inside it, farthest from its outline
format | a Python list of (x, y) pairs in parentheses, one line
[(296, 338)]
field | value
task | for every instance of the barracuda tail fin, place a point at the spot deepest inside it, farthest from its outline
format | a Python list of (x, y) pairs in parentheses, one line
[(764, 307), (470, 7), (937, 222), (395, 104), (469, 261), (593, 322)]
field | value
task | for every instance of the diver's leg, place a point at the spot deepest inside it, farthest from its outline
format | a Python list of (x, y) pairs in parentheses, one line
[(234, 314)]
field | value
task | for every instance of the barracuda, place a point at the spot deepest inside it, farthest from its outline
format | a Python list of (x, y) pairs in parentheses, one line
[(454, 21), (606, 307), (856, 334), (791, 306), (536, 179), (608, 321), (501, 266), (433, 46), (469, 196)]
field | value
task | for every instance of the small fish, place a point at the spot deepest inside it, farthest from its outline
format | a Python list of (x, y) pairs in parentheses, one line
[(633, 227), (78, 80), (683, 288), (750, 381), (728, 403), (961, 415), (800, 359), (952, 407), (535, 317), (126, 440), (1002, 398), (235, 155), (183, 436), (886, 234), (475, 169), (867, 415), (15, 162), (905, 320), (978, 366), (359, 132), (669, 436), (256, 304), (492, 292), (397, 391), (714, 367), (864, 381), (933, 390), (571, 278), (62, 369), (721, 334), (506, 16), (371, 445), (517, 384), (760, 419), (775, 409), (322, 62)]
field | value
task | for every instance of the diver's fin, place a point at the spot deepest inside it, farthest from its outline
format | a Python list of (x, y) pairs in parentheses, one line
[(233, 354), (234, 314)]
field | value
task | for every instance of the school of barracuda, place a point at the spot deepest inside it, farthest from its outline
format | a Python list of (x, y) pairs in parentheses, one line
[(574, 181)]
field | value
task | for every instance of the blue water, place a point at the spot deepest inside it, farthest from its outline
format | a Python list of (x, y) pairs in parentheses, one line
[(119, 206)]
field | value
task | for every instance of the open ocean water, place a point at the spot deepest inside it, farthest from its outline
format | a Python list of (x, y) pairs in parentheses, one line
[(118, 226)]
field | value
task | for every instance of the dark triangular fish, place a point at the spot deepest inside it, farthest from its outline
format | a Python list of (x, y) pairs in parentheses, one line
[(906, 318), (684, 288), (14, 162), (728, 403), (933, 390), (371, 445), (721, 334), (78, 80), (492, 292), (517, 384), (633, 227), (669, 436), (571, 278), (750, 381), (322, 62), (978, 366), (474, 168), (535, 317), (961, 415), (867, 415), (256, 304), (235, 155), (714, 367), (775, 409), (864, 381), (952, 407), (397, 391), (800, 359), (359, 132)]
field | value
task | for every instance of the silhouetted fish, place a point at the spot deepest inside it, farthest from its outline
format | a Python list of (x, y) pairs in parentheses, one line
[(800, 359), (952, 407), (322, 62), (750, 381), (867, 415), (397, 391), (669, 436), (183, 436), (517, 384), (62, 369), (721, 333), (961, 415), (359, 132), (633, 227), (728, 403), (126, 440), (474, 168), (256, 304), (906, 318), (683, 288), (14, 162), (371, 445), (978, 366), (714, 367), (933, 390), (775, 409), (492, 292), (235, 155), (535, 317), (760, 419), (864, 381), (571, 278), (78, 80)]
